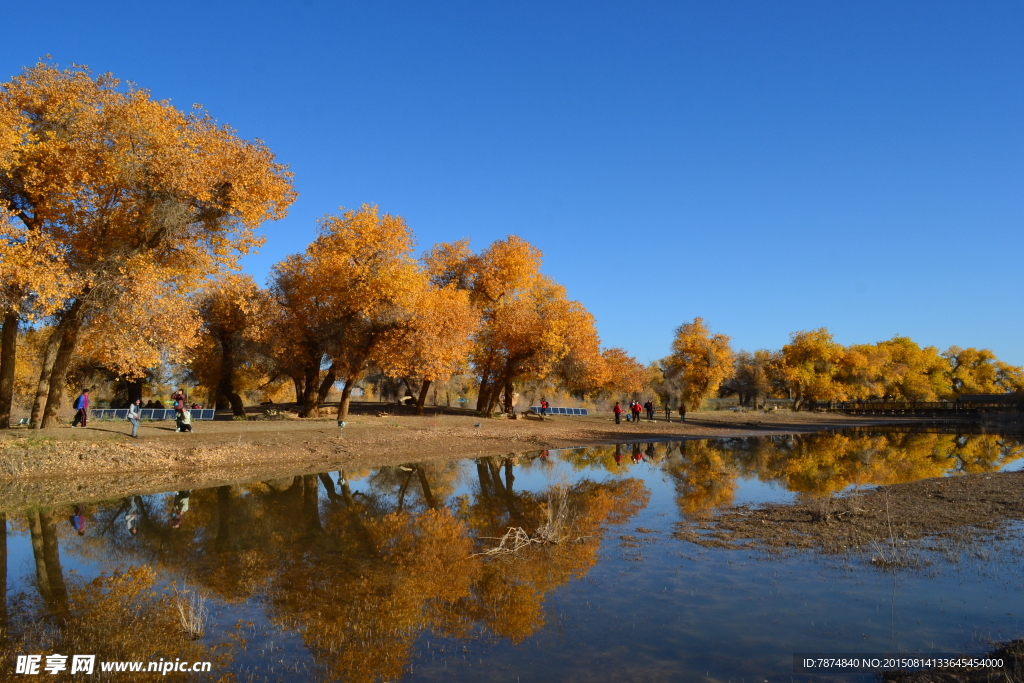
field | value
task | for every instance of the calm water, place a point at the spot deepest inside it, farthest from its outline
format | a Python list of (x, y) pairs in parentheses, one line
[(377, 574)]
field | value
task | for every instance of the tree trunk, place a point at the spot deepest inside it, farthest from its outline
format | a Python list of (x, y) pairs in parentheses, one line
[(298, 384), (328, 483), (425, 485), (43, 387), (311, 503), (311, 396), (424, 388), (484, 395), (35, 529), (8, 352), (346, 393), (346, 490), (325, 387), (226, 382), (49, 577), (70, 328), (53, 568), (509, 400), (134, 391), (225, 535)]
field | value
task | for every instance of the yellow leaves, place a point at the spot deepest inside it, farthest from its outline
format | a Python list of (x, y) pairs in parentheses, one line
[(702, 361), (34, 280), (622, 372)]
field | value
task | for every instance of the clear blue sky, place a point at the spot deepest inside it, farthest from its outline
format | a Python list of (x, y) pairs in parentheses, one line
[(771, 166)]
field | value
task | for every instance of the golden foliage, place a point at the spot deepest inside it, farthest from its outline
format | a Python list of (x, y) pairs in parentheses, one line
[(701, 360)]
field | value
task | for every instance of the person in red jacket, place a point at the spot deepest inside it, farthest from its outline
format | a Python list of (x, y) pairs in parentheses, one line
[(618, 412), (636, 411)]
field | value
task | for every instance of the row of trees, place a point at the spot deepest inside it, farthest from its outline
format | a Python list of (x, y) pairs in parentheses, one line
[(357, 302), (121, 223), (813, 367)]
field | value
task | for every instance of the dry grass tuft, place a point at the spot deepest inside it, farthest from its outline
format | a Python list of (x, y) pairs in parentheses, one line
[(192, 612)]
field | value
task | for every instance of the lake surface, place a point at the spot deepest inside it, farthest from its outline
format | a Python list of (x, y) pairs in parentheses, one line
[(384, 574)]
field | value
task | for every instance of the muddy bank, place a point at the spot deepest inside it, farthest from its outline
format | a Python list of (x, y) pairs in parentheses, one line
[(105, 448), (878, 520)]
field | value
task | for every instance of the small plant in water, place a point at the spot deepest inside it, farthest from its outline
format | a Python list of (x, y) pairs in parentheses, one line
[(192, 612)]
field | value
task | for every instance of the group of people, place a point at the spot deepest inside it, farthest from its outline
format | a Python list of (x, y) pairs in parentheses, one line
[(182, 413), (635, 409)]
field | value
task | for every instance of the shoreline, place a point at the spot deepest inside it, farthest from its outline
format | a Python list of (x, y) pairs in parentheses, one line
[(39, 467)]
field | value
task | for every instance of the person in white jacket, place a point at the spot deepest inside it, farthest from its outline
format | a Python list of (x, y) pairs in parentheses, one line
[(134, 415)]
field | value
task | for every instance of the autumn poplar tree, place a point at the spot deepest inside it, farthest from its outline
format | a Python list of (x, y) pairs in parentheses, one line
[(810, 362), (701, 361), (33, 281), (350, 298), (528, 324), (235, 315), (131, 189)]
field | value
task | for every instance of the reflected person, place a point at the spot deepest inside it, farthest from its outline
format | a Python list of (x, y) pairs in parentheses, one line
[(131, 518), (181, 500)]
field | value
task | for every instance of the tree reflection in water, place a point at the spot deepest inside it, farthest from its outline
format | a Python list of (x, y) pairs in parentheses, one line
[(359, 576), (705, 473)]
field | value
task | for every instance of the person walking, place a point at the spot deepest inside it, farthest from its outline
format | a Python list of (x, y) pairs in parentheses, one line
[(82, 409), (543, 407), (618, 413), (682, 411), (668, 413), (650, 410), (134, 415), (636, 411)]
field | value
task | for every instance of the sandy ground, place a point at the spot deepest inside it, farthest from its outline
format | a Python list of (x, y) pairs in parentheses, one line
[(881, 521), (101, 460)]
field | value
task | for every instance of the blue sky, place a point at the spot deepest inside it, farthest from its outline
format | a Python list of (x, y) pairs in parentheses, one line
[(770, 166)]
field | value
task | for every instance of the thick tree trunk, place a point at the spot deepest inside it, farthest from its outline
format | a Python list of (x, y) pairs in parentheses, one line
[(428, 495), (484, 395), (328, 483), (8, 353), (68, 328), (226, 383), (49, 576), (298, 383), (134, 391), (35, 530), (346, 394), (53, 568), (484, 476), (43, 387), (311, 396), (225, 535), (311, 503), (346, 490), (421, 401), (325, 386), (509, 397)]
